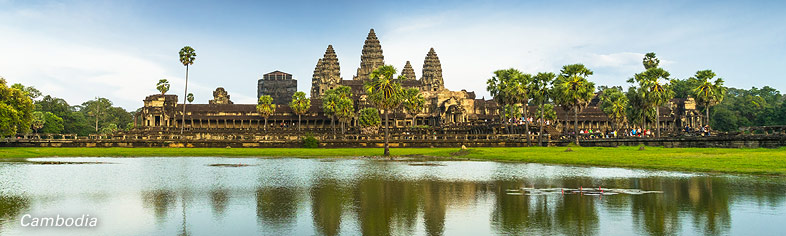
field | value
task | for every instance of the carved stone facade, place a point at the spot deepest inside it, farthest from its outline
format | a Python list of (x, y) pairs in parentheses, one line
[(432, 73), (327, 73), (279, 85), (409, 72), (220, 96), (370, 58)]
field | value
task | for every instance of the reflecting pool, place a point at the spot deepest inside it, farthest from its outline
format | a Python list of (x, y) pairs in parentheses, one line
[(291, 196)]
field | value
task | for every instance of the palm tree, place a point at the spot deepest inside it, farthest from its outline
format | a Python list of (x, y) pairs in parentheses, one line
[(657, 93), (190, 98), (709, 93), (650, 61), (518, 92), (265, 107), (163, 87), (385, 92), (187, 57), (345, 111), (413, 103), (299, 105), (329, 107), (613, 104), (572, 90), (539, 88), (500, 87)]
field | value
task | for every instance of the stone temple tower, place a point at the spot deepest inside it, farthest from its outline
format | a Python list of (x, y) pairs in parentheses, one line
[(408, 72), (370, 58), (327, 74), (432, 73)]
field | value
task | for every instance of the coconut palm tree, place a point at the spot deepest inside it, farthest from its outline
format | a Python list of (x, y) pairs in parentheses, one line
[(413, 103), (299, 105), (539, 88), (709, 93), (572, 90), (384, 91), (266, 108), (187, 57)]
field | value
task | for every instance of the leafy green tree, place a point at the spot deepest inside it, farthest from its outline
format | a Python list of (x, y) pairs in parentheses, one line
[(266, 108), (53, 124), (109, 129), (709, 93), (573, 91), (30, 91), (299, 105), (16, 110), (190, 98), (684, 88), (724, 119), (369, 117), (74, 122), (38, 121), (539, 89), (614, 104), (413, 103), (637, 111), (97, 109), (384, 91), (187, 57)]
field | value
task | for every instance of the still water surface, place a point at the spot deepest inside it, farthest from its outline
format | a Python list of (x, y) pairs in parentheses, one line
[(290, 196)]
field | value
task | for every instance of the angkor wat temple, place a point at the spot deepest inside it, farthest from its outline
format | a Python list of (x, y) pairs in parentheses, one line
[(445, 109)]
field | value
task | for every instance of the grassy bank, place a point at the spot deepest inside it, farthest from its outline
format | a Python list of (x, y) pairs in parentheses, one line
[(740, 161)]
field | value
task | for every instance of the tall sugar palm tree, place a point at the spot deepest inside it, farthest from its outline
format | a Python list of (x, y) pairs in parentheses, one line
[(299, 105), (190, 98), (329, 107), (572, 90), (345, 111), (413, 103), (163, 87), (266, 108), (539, 88), (500, 86), (658, 91), (614, 104), (709, 93), (518, 92), (187, 57), (385, 92)]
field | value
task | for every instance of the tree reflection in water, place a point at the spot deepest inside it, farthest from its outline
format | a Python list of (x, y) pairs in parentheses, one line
[(277, 206), (11, 207)]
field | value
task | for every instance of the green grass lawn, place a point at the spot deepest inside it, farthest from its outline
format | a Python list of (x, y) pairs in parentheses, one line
[(740, 161)]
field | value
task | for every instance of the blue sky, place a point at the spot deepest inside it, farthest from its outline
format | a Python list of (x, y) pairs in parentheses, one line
[(79, 50)]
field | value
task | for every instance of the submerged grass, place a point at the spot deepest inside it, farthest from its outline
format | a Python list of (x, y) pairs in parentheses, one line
[(739, 161)]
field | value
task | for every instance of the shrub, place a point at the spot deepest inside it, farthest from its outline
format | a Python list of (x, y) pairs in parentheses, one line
[(309, 141), (369, 117)]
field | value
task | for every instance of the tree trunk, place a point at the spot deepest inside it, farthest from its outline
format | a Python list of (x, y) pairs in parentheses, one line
[(657, 121), (708, 114), (387, 149), (540, 133), (413, 120), (343, 130), (526, 124), (185, 94), (576, 124), (333, 125), (265, 128), (298, 123)]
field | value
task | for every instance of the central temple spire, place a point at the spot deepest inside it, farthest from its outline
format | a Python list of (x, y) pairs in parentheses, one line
[(371, 57)]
